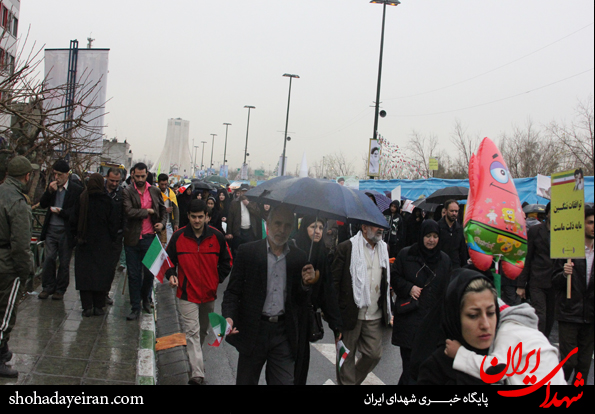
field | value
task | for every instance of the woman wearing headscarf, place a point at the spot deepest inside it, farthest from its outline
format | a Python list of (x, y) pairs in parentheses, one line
[(413, 226), (95, 224), (223, 200), (419, 273), (323, 295), (184, 200), (470, 316), (214, 214)]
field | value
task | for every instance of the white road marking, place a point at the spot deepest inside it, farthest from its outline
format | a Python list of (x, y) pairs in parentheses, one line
[(330, 353)]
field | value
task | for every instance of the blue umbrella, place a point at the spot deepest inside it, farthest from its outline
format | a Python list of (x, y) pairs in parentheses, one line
[(321, 198), (382, 201)]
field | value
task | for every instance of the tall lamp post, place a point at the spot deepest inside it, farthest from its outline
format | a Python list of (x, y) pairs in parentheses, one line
[(194, 166), (377, 107), (212, 147), (244, 165), (290, 76), (203, 155), (247, 127), (225, 150)]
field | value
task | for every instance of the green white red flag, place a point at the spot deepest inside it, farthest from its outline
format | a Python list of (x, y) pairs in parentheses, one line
[(157, 260), (220, 327), (342, 353)]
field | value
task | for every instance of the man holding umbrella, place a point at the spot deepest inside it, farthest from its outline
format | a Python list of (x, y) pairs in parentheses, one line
[(265, 303)]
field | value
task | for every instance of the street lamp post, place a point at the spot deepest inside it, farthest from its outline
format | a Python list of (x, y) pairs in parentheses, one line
[(212, 147), (203, 155), (247, 127), (194, 166), (377, 106), (290, 76), (225, 150)]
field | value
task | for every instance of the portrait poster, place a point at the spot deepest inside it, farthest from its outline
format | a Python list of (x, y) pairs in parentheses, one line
[(374, 158), (567, 217), (350, 181)]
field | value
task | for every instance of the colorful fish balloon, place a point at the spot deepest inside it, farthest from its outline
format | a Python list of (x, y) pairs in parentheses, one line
[(494, 223)]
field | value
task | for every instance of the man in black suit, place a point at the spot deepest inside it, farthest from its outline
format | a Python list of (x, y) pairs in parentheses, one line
[(59, 198), (538, 273), (265, 303)]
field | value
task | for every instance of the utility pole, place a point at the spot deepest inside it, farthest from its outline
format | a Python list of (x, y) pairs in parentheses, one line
[(225, 150), (212, 146), (202, 160)]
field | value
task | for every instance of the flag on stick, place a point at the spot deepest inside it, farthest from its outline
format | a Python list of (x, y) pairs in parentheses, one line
[(342, 353), (157, 260), (220, 327)]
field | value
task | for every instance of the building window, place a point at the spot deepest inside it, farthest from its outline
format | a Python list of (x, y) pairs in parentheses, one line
[(15, 26)]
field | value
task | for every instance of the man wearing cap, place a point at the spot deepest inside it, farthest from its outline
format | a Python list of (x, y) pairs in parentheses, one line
[(59, 198), (15, 258), (244, 220)]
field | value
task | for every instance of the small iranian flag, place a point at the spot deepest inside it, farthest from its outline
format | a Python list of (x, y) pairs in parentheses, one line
[(220, 327), (563, 178), (157, 260), (342, 353)]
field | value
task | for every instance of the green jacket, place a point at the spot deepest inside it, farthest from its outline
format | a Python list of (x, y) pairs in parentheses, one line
[(15, 229)]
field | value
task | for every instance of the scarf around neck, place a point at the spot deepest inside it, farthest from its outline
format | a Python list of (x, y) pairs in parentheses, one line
[(360, 280)]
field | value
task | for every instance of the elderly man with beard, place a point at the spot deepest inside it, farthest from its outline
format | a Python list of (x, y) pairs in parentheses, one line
[(361, 274), (265, 303)]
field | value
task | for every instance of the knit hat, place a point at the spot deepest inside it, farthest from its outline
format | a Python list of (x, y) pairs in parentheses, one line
[(20, 166), (61, 166)]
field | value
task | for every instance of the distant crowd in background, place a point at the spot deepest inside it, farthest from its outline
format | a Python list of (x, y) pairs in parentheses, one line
[(288, 273)]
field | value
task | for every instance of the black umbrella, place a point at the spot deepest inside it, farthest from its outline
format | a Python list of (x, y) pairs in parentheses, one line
[(201, 185), (217, 179), (321, 198), (448, 193), (534, 208), (423, 204)]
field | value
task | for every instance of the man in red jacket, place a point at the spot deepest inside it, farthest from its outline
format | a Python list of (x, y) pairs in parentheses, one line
[(203, 260)]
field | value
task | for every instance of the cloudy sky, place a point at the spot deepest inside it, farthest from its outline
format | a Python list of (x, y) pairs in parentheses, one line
[(490, 64)]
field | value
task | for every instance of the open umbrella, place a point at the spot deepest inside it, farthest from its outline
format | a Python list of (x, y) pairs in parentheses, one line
[(422, 204), (201, 185), (321, 198), (382, 201), (534, 208), (217, 179), (448, 193)]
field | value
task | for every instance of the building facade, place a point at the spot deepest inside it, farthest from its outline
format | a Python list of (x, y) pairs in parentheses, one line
[(9, 29)]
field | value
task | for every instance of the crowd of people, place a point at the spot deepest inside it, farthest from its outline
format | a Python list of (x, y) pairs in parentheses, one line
[(288, 273)]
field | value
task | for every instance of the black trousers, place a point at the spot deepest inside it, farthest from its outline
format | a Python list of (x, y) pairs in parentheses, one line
[(56, 248), (574, 335), (272, 347), (10, 292), (406, 360), (544, 302)]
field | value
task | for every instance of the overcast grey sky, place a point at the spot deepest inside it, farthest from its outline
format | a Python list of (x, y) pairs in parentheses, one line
[(491, 64)]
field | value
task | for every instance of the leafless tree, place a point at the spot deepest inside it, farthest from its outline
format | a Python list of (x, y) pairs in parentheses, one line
[(465, 145), (421, 148), (37, 129), (529, 151), (336, 165), (577, 138)]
